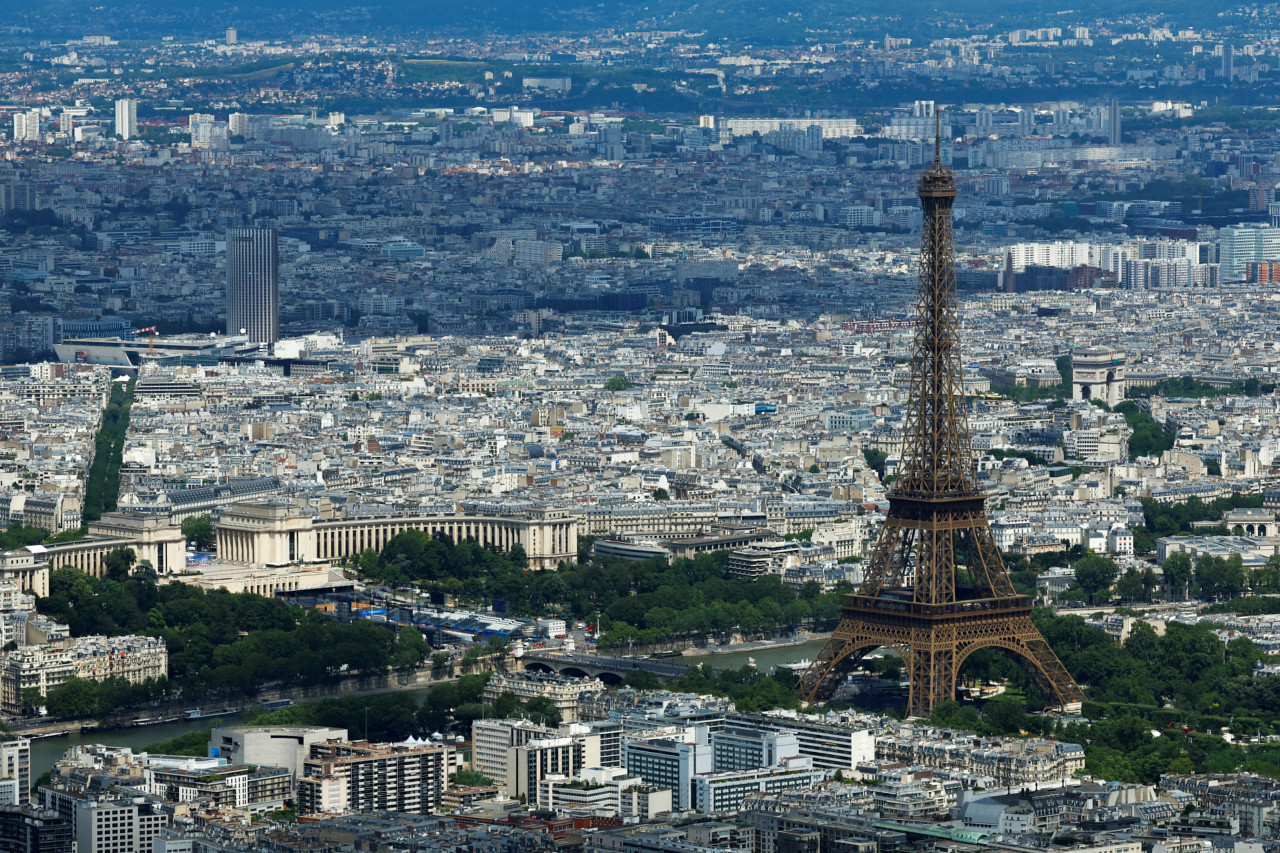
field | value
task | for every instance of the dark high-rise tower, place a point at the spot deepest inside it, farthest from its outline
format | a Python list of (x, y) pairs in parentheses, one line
[(253, 284), (936, 589)]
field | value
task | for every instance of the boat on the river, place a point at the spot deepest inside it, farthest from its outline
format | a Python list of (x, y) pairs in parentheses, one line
[(198, 714)]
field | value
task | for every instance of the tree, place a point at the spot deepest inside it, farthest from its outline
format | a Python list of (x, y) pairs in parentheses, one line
[(470, 779), (368, 562), (1220, 578), (1143, 643), (1267, 578), (410, 649), (1063, 363), (1148, 438), (642, 679), (119, 563), (32, 698), (875, 459), (1003, 716), (1148, 582), (1177, 575), (1129, 586), (1095, 575), (540, 709), (618, 383), (76, 697), (146, 572), (198, 530), (661, 495)]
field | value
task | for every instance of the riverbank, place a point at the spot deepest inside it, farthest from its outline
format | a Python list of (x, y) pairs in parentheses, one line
[(175, 710), (755, 645)]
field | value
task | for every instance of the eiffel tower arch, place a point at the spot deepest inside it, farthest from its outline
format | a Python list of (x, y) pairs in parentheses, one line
[(936, 589)]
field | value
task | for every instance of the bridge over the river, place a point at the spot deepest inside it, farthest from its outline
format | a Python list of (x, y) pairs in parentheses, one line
[(610, 670)]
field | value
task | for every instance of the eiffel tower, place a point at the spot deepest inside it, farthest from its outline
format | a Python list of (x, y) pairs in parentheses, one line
[(936, 589)]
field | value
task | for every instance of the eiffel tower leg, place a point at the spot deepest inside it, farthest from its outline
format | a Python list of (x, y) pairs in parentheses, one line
[(1020, 636), (1057, 682), (933, 671), (845, 643)]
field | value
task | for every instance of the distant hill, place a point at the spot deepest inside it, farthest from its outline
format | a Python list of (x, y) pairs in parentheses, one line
[(762, 21)]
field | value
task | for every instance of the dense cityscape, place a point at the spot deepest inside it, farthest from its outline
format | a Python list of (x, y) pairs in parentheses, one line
[(663, 429)]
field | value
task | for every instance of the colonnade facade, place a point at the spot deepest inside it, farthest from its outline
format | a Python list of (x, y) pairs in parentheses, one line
[(546, 542), (276, 532)]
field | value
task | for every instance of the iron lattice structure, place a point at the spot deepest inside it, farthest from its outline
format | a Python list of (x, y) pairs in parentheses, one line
[(936, 589)]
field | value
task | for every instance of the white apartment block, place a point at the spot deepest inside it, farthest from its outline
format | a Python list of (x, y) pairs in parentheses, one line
[(344, 777), (537, 253), (832, 128), (491, 740), (126, 118), (529, 764), (831, 746), (26, 126)]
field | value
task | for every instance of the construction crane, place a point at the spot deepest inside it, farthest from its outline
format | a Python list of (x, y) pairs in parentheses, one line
[(150, 332)]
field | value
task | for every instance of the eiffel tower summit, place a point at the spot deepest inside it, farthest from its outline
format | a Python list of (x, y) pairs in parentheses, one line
[(936, 589)]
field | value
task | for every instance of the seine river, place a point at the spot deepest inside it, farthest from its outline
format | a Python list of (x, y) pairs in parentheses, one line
[(46, 751), (765, 658)]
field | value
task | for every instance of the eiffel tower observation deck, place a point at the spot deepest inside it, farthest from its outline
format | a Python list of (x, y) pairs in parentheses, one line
[(936, 589)]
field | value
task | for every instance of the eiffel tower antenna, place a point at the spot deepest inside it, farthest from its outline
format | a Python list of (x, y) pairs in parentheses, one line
[(936, 589), (937, 136)]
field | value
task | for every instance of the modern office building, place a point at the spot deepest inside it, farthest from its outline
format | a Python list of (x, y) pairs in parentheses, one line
[(665, 763), (108, 825), (26, 829), (270, 746), (607, 790), (252, 789), (725, 792), (832, 746), (1240, 244), (253, 284), (743, 748), (126, 118)]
